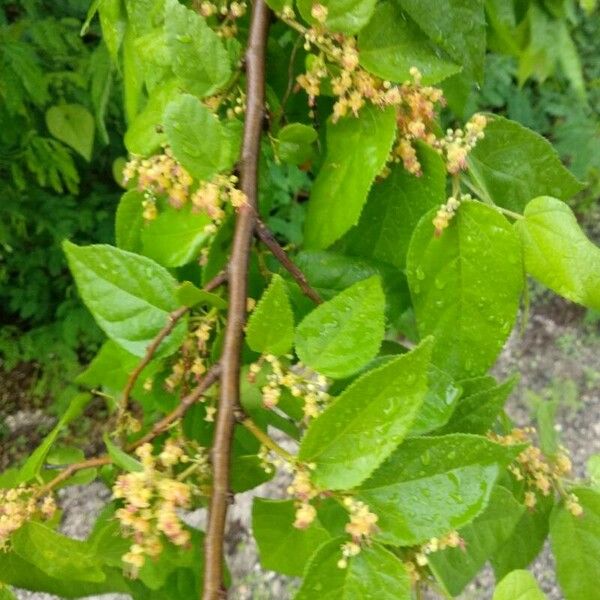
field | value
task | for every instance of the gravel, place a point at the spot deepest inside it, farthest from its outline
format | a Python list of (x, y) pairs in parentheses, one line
[(553, 349)]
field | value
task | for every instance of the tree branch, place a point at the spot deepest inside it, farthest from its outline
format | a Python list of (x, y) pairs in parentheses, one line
[(173, 319), (238, 284), (268, 239)]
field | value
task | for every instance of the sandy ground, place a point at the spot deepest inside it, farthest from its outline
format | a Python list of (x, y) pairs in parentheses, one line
[(556, 355)]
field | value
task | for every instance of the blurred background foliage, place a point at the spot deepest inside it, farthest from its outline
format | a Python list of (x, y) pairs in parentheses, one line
[(62, 121)]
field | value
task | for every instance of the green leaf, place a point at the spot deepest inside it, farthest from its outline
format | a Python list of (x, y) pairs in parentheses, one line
[(576, 546), (130, 296), (394, 207), (198, 56), (592, 468), (74, 125), (110, 368), (345, 16), (189, 295), (270, 328), (175, 237), (432, 485), (459, 29), (145, 135), (357, 149), (465, 289), (34, 463), (558, 253), (392, 43), (6, 594), (373, 573), (129, 221), (477, 412), (367, 421), (113, 20), (55, 554), (121, 458), (295, 143), (518, 585), (283, 547), (454, 568), (340, 336), (200, 142), (512, 164)]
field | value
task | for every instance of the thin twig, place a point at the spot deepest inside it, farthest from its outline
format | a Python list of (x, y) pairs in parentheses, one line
[(267, 440), (238, 284), (268, 239), (172, 320)]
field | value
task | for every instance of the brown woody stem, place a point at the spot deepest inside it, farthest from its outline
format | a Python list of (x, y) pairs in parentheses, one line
[(268, 239), (238, 282)]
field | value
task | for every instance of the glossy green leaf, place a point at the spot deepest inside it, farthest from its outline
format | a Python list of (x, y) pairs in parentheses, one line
[(55, 554), (518, 585), (283, 547), (120, 457), (198, 56), (394, 207), (576, 546), (74, 125), (512, 164), (357, 149), (109, 368), (130, 296), (175, 237), (340, 336), (189, 295), (345, 16), (454, 568), (145, 134), (294, 143), (526, 540), (558, 253), (392, 43), (374, 573), (360, 429), (465, 289), (270, 328), (476, 413), (113, 20), (129, 221), (432, 485), (200, 142)]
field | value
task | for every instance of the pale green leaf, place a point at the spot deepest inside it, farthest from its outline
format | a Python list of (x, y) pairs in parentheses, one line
[(454, 568), (340, 336), (190, 295), (5, 593), (592, 468), (392, 43), (360, 429), (281, 546), (374, 573), (345, 16), (558, 253), (466, 285), (357, 149), (74, 125), (576, 546), (113, 20), (200, 142), (512, 164), (198, 56), (129, 221), (175, 236), (518, 585), (393, 209), (270, 328), (121, 458), (432, 485), (130, 296)]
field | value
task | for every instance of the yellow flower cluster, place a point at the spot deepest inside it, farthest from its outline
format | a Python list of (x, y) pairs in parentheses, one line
[(362, 525), (19, 505), (152, 498), (304, 491), (228, 13), (446, 212), (162, 175), (301, 381), (336, 58), (537, 471)]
